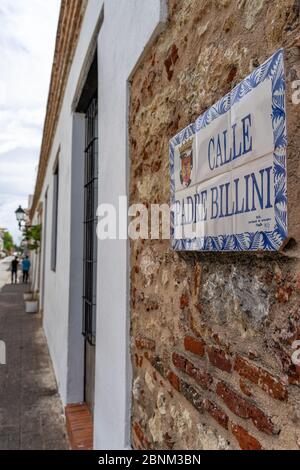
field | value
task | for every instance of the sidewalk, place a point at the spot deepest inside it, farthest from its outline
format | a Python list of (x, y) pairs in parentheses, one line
[(30, 407)]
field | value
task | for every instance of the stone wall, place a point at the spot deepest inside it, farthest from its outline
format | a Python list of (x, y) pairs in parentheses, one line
[(212, 333)]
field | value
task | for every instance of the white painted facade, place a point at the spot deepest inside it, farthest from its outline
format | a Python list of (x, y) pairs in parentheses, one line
[(127, 28)]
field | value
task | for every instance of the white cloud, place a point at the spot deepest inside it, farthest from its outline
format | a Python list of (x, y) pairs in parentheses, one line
[(17, 174), (27, 38), (20, 128)]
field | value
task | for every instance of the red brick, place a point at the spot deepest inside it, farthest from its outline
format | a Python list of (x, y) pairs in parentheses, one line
[(142, 342), (262, 421), (217, 413), (195, 346), (262, 378), (203, 378), (245, 409), (184, 301), (179, 361), (235, 403), (174, 380), (141, 436), (245, 440), (219, 359), (294, 379), (138, 360), (294, 375), (79, 423), (283, 293)]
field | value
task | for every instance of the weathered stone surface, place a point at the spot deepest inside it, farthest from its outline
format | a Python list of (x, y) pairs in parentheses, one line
[(234, 305)]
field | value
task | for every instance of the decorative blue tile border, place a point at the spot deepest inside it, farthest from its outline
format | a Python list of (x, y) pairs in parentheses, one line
[(272, 69)]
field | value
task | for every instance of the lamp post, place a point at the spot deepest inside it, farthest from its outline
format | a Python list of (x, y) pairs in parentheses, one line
[(23, 226), (21, 217), (31, 233)]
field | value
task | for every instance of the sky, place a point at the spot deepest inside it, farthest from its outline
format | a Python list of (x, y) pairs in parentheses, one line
[(27, 40)]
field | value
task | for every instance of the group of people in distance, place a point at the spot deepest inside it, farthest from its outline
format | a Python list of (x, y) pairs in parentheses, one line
[(25, 269)]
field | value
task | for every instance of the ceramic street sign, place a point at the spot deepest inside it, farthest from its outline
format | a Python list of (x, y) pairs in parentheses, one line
[(228, 169)]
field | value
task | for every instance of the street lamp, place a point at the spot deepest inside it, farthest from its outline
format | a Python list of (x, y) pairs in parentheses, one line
[(21, 216), (31, 233)]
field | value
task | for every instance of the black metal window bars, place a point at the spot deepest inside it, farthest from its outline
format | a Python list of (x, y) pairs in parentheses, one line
[(90, 222)]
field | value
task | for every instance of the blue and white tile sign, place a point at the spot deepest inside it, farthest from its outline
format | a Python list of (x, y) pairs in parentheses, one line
[(228, 169)]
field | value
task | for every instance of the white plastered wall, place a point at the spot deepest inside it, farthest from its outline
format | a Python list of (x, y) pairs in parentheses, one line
[(129, 26)]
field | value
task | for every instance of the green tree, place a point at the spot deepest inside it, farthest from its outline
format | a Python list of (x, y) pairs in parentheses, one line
[(8, 242), (33, 236)]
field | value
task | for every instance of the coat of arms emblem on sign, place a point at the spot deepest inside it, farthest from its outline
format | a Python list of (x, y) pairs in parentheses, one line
[(186, 162)]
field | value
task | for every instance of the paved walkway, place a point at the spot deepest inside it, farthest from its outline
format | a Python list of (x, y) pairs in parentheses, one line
[(30, 408)]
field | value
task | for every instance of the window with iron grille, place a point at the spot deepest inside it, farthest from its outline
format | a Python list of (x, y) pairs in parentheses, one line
[(54, 217), (90, 222)]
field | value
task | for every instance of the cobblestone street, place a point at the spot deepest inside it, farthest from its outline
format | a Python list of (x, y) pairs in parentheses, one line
[(31, 414)]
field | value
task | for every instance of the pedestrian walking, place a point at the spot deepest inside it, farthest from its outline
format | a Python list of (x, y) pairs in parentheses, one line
[(26, 267), (14, 269)]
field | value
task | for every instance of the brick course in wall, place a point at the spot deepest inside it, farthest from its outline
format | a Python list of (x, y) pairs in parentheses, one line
[(212, 334)]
